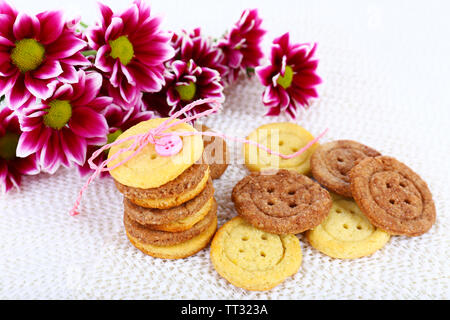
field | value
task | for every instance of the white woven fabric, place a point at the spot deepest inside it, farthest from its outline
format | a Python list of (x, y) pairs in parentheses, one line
[(385, 72)]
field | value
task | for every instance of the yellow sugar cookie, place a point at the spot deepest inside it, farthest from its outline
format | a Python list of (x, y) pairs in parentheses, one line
[(253, 259), (179, 250), (346, 233), (185, 223), (148, 169), (283, 137)]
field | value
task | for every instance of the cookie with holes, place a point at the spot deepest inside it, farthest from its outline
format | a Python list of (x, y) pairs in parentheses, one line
[(346, 233), (149, 169), (185, 187), (392, 196), (215, 153), (174, 219), (282, 202), (253, 259), (283, 137), (332, 161)]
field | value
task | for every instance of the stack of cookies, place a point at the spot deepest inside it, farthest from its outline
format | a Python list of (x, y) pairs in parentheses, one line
[(169, 206)]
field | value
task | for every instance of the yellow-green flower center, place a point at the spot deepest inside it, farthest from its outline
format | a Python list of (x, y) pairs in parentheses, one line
[(58, 114), (122, 49), (286, 80), (27, 55), (113, 136), (186, 91), (8, 145)]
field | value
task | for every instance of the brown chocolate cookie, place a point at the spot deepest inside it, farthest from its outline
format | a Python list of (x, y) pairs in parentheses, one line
[(185, 182), (285, 202), (392, 196), (163, 238), (214, 153), (332, 161), (149, 216)]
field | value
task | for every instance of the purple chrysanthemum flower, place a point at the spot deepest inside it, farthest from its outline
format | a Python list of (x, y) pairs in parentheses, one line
[(36, 52), (185, 83), (118, 121), (62, 126), (290, 78), (199, 48), (131, 49), (242, 45), (11, 167)]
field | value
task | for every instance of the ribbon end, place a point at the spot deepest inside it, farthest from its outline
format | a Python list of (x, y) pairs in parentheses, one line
[(73, 212)]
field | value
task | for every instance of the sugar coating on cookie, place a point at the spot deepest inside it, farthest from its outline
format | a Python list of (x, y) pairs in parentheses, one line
[(253, 259), (148, 169), (283, 137), (346, 233), (392, 196), (332, 161), (284, 202)]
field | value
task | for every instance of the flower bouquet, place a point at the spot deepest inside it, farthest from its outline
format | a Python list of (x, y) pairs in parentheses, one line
[(67, 89)]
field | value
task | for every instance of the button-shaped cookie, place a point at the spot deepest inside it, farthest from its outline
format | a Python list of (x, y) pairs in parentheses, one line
[(346, 233), (148, 168), (392, 196), (282, 202), (332, 161), (252, 259), (185, 187), (284, 137)]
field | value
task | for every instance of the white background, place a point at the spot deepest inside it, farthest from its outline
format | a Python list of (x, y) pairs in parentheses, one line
[(386, 70)]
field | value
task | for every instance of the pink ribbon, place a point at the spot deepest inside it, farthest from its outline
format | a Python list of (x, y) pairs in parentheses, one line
[(154, 134)]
